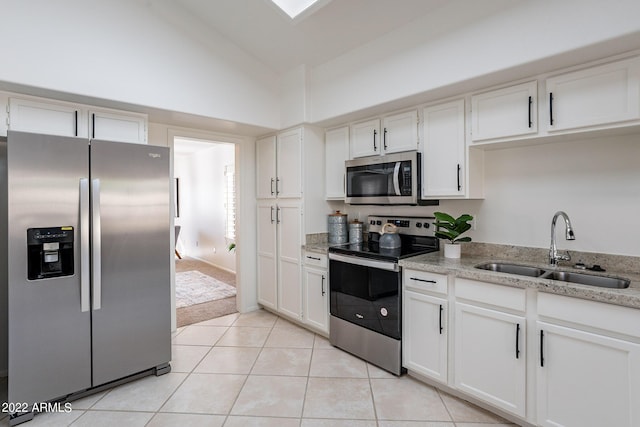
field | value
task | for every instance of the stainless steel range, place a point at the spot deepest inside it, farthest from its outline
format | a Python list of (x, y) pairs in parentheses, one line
[(365, 283)]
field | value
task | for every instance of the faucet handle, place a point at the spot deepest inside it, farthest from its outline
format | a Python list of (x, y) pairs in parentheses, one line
[(564, 257)]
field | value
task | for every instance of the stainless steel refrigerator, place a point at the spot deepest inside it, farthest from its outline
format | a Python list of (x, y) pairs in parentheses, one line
[(87, 249)]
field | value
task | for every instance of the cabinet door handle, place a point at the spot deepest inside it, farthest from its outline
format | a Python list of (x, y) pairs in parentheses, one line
[(76, 122), (277, 215), (277, 186), (542, 348), (423, 280), (272, 181), (459, 186), (313, 257), (440, 319), (384, 138), (530, 103), (93, 126), (272, 220), (551, 108), (375, 147), (323, 291), (517, 340)]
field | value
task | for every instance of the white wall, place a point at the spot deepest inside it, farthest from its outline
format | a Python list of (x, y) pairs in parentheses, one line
[(202, 204), (595, 181), (458, 45), (125, 51)]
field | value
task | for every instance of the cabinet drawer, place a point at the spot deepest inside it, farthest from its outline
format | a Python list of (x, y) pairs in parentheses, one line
[(315, 259), (614, 318), (489, 293), (425, 281)]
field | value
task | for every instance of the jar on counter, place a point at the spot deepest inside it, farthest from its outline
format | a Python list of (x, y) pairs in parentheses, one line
[(338, 233), (355, 231)]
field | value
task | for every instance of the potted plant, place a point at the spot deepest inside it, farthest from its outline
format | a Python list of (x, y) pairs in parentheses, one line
[(450, 228)]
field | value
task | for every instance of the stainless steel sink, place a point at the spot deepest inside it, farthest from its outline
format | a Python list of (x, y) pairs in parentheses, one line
[(521, 270), (564, 276), (587, 279)]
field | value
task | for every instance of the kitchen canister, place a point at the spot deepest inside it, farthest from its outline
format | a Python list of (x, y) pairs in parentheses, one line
[(338, 232), (355, 232)]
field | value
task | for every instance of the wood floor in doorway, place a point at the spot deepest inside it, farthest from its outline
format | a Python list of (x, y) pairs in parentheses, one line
[(207, 310)]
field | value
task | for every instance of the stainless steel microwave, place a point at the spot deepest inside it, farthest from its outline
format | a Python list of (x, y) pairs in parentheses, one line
[(393, 179)]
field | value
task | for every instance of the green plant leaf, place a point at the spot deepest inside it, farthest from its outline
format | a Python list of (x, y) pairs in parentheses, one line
[(450, 228), (444, 217)]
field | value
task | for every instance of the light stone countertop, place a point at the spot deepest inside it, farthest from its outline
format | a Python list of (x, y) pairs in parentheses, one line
[(465, 268), (319, 248), (480, 253)]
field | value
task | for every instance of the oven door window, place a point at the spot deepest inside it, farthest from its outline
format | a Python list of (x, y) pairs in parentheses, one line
[(366, 296)]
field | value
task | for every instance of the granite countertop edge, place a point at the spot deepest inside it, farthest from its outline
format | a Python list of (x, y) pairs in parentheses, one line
[(465, 268)]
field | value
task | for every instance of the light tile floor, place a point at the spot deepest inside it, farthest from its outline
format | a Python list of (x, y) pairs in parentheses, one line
[(256, 369)]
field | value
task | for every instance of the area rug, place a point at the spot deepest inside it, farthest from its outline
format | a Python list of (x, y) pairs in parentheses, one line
[(193, 287)]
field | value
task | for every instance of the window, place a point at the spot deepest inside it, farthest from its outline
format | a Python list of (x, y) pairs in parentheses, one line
[(230, 202)]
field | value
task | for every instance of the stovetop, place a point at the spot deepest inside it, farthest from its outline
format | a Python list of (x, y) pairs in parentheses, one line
[(416, 234)]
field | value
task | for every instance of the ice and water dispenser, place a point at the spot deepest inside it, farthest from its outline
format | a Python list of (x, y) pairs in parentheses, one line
[(50, 252)]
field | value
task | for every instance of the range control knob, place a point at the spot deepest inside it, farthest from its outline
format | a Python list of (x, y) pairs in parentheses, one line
[(426, 225), (372, 222), (418, 224), (378, 222)]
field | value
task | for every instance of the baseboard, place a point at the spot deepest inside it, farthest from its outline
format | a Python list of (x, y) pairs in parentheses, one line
[(212, 264)]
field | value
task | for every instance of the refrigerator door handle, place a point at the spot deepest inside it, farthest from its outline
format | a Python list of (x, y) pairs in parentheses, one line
[(96, 270), (85, 301)]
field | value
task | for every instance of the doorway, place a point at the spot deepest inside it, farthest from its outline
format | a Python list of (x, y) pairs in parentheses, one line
[(205, 219)]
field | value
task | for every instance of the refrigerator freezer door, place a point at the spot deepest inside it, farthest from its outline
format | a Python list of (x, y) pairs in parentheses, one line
[(49, 334), (132, 327)]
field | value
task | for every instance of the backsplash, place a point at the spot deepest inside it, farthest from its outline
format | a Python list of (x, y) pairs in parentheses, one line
[(317, 239)]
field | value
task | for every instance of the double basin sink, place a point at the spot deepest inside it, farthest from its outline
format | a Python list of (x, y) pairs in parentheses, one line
[(564, 276)]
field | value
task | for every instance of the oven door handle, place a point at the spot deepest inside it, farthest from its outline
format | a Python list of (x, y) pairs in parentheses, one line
[(396, 178), (365, 262)]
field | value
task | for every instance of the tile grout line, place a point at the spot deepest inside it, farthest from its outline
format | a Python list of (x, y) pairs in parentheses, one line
[(249, 373)]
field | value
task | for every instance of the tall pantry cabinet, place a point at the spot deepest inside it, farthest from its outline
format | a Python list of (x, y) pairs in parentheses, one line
[(290, 203)]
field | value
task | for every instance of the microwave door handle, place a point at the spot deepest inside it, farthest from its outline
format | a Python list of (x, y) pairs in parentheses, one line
[(396, 178)]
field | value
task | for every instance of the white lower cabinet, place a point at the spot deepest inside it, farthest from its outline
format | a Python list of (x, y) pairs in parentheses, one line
[(584, 377), (425, 335), (490, 354), (279, 257), (316, 292), (490, 357), (578, 367), (425, 328)]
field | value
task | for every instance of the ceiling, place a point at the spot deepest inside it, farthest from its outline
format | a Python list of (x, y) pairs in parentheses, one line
[(262, 30)]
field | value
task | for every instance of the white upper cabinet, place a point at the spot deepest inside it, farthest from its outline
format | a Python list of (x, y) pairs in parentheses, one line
[(601, 95), (279, 165), (266, 168), (117, 126), (400, 132), (365, 139), (52, 118), (336, 153), (67, 119), (289, 164), (505, 113), (443, 151)]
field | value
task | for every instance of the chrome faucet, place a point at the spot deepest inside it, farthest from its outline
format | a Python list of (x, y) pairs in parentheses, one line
[(554, 256)]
